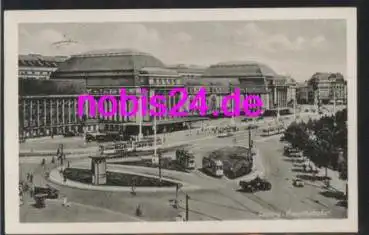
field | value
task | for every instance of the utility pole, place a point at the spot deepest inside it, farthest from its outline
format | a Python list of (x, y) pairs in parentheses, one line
[(250, 137), (155, 149), (177, 189), (187, 198), (294, 105), (140, 119), (159, 158), (334, 98)]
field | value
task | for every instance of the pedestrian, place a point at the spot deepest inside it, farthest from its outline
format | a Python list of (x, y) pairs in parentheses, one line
[(138, 210), (31, 178), (65, 202), (31, 191), (52, 160), (68, 164), (27, 176)]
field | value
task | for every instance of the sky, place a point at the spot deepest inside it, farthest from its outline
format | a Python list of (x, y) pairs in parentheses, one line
[(297, 48)]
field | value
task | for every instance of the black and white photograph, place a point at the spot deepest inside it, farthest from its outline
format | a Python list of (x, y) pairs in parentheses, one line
[(256, 133)]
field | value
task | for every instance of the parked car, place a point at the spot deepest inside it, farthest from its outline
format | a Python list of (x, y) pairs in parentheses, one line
[(51, 192), (257, 184), (69, 134), (224, 135), (298, 183)]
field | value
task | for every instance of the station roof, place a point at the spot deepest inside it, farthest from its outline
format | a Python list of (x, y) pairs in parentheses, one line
[(239, 69), (36, 60), (110, 60)]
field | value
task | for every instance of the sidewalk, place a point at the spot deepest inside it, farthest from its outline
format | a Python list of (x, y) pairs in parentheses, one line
[(335, 183), (76, 145)]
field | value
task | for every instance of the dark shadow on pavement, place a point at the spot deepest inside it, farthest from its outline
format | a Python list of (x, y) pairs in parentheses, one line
[(290, 160), (311, 177), (201, 213), (342, 203), (298, 170), (333, 194)]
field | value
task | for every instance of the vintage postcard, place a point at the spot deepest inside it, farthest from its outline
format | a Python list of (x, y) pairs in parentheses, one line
[(181, 121)]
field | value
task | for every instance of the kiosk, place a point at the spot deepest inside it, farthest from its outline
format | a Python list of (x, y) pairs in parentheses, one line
[(98, 167)]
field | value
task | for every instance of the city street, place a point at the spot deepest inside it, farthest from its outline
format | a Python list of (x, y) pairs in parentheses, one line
[(218, 199)]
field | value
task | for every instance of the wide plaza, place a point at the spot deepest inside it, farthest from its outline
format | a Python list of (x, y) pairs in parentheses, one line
[(210, 198)]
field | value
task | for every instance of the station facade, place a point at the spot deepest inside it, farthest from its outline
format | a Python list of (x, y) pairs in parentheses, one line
[(50, 107)]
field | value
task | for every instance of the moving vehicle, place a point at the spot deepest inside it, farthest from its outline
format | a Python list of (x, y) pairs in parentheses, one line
[(213, 166), (273, 130), (146, 144), (103, 136), (225, 134), (289, 150), (298, 183), (257, 184), (51, 193), (70, 134), (185, 158)]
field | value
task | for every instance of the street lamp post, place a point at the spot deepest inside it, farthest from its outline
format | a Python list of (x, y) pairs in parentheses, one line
[(155, 148), (156, 155), (294, 106), (334, 98), (250, 141), (140, 119)]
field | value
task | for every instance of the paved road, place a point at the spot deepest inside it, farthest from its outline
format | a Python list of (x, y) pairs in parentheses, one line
[(223, 203)]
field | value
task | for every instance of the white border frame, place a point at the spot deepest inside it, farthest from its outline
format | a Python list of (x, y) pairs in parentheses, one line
[(13, 18)]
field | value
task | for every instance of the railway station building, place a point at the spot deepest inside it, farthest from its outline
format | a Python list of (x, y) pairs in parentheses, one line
[(50, 107)]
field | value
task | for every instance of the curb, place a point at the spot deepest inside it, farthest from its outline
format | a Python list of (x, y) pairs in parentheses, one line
[(186, 187)]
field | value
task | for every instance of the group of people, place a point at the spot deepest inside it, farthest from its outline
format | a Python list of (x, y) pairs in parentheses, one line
[(215, 130), (26, 186)]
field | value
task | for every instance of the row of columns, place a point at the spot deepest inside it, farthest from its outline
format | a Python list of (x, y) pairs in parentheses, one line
[(37, 109)]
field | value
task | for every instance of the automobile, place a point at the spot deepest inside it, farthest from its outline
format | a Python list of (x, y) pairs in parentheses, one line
[(253, 126), (298, 183), (69, 134), (51, 192), (246, 120), (310, 169), (283, 138), (295, 155), (224, 135), (257, 184)]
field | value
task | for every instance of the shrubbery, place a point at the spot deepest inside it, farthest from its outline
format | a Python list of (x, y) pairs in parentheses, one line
[(322, 140)]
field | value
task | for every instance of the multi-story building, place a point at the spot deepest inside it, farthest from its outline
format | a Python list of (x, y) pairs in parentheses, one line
[(34, 66), (291, 91), (50, 107), (328, 88), (253, 79), (303, 93)]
